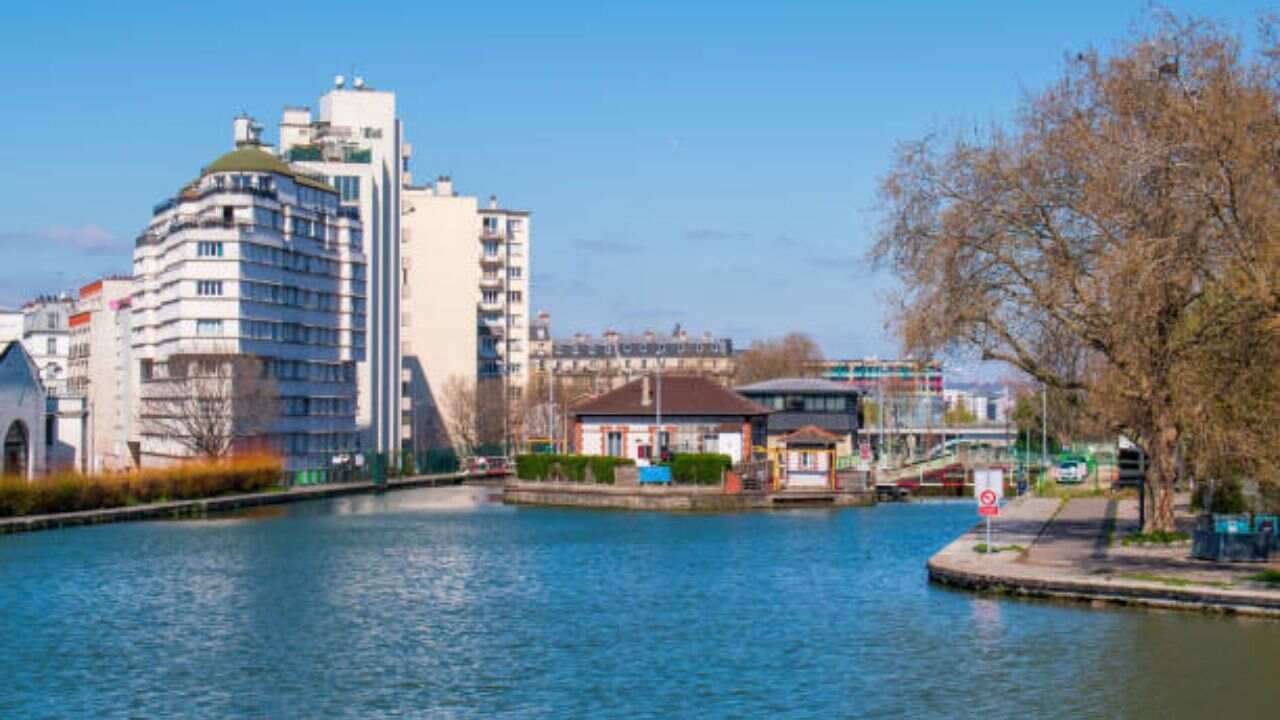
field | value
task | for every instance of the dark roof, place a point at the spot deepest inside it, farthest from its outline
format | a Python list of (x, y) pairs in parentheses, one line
[(681, 395), (798, 385), (783, 421), (810, 435)]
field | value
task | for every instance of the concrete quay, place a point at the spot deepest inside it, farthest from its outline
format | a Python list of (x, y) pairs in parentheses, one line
[(222, 503), (688, 498), (1070, 550)]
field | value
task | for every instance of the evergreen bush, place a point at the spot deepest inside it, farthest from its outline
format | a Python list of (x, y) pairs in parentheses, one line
[(699, 468)]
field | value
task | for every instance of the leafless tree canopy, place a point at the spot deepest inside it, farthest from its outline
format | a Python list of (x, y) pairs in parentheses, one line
[(210, 404), (794, 355), (475, 413), (1118, 241)]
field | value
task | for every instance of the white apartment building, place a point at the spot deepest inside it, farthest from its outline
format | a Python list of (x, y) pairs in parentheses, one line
[(255, 259), (356, 145), (45, 335), (99, 372), (10, 326), (504, 306), (442, 286)]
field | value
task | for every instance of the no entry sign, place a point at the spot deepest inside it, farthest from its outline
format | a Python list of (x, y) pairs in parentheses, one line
[(988, 488)]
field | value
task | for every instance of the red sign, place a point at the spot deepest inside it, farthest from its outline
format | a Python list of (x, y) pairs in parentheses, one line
[(988, 503), (988, 510)]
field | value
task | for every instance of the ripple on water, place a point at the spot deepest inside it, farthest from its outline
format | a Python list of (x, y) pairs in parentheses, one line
[(435, 602)]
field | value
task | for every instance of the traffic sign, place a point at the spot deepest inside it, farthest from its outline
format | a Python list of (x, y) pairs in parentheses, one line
[(988, 488)]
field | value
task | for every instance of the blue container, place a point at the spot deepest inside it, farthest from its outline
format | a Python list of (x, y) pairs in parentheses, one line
[(1262, 523), (1231, 524), (657, 475)]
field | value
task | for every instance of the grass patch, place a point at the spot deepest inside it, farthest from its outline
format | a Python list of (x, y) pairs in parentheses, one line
[(1266, 577), (1155, 538), (984, 549), (1174, 581)]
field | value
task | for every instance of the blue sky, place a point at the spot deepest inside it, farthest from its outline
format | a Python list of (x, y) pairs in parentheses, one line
[(713, 163)]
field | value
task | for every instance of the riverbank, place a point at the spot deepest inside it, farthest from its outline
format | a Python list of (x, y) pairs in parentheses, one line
[(689, 498), (1051, 548), (204, 506)]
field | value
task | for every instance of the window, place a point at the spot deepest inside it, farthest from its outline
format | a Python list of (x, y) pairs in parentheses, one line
[(515, 272), (208, 327), (209, 287), (51, 346), (209, 249), (348, 187), (514, 296), (513, 227), (489, 297), (491, 249), (491, 225), (613, 442)]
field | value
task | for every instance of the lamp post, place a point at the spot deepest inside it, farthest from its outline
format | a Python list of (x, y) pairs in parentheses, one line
[(658, 406), (1044, 434)]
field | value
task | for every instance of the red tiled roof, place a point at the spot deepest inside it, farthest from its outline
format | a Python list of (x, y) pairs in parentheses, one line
[(810, 435), (681, 395)]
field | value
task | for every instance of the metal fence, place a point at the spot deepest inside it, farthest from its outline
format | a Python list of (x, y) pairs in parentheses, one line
[(376, 467)]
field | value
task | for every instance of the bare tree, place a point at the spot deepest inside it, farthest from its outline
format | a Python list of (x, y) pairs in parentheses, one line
[(458, 396), (794, 355), (1118, 241), (209, 404)]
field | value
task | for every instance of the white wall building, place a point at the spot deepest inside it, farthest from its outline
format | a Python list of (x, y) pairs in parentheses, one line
[(442, 286), (504, 311), (10, 326), (257, 259), (988, 403), (356, 145), (99, 370), (45, 335), (22, 413)]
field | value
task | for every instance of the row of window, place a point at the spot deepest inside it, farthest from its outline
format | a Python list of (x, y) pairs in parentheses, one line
[(296, 261), (209, 288), (303, 371), (206, 248), (290, 332), (293, 406), (294, 296)]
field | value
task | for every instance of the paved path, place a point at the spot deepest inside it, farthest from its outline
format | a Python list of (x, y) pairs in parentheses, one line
[(1071, 555)]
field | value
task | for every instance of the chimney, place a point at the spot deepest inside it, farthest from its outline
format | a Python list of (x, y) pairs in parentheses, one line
[(444, 186), (646, 393), (493, 202), (246, 131)]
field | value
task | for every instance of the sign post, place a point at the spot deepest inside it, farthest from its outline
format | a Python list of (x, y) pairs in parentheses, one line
[(988, 488)]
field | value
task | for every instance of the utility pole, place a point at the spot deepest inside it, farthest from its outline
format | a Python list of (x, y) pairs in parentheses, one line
[(1044, 432), (658, 409)]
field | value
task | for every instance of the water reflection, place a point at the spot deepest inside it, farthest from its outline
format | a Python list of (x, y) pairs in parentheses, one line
[(436, 602)]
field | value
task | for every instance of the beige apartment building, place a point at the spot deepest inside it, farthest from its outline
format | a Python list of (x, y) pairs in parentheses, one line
[(98, 370), (464, 318)]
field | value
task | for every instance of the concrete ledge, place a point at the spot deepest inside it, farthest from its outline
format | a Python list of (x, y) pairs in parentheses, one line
[(668, 498), (203, 506), (1014, 577)]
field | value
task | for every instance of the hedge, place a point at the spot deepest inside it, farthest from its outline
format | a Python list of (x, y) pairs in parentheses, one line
[(699, 468), (570, 467), (70, 492)]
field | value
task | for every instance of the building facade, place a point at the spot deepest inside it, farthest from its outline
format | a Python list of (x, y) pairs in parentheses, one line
[(100, 358), (650, 415), (442, 286), (590, 365), (355, 144), (800, 403), (503, 326), (46, 335), (250, 295), (22, 413)]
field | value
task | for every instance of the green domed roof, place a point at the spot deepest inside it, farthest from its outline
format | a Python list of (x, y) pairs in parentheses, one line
[(249, 159)]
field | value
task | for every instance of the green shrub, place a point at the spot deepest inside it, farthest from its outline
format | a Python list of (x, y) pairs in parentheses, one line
[(569, 467), (699, 468), (1228, 498)]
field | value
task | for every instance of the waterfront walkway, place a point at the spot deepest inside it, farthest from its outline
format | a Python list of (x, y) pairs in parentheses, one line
[(1074, 550), (203, 506)]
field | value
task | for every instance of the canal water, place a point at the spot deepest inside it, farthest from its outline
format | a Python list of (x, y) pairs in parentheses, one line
[(440, 603)]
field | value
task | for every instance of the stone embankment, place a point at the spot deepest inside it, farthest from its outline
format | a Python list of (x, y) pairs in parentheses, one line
[(670, 498), (196, 508), (1049, 548)]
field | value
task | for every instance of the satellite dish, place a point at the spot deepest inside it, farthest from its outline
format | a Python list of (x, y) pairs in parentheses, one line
[(358, 82), (339, 81)]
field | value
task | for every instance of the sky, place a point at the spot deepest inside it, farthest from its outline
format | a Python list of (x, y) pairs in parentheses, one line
[(712, 164)]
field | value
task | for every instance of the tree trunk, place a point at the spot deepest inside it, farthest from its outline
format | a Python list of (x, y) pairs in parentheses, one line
[(1161, 476)]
